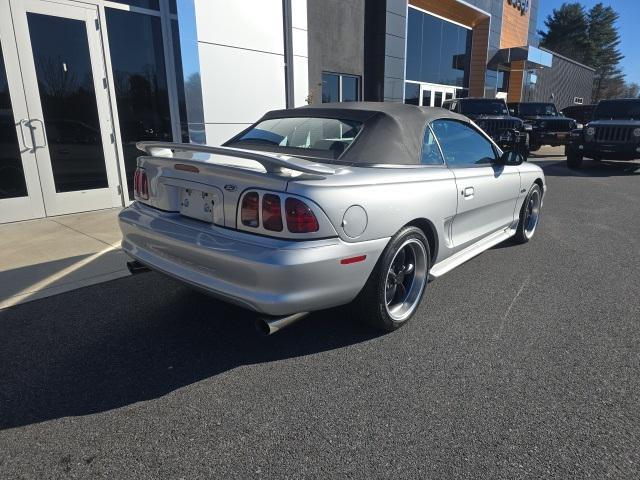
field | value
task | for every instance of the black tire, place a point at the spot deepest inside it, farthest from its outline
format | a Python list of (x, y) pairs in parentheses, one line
[(526, 230), (574, 159), (370, 306)]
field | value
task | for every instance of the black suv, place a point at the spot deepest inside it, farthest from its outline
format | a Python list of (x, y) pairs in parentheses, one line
[(492, 116), (580, 113), (548, 126), (613, 134)]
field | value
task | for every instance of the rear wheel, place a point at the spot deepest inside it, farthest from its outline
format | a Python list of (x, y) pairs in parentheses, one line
[(529, 215), (574, 159), (396, 286)]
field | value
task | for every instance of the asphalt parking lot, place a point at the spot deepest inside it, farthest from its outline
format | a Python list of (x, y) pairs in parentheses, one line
[(523, 363)]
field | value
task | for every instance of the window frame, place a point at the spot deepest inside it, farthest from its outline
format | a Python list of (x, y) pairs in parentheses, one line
[(341, 76), (166, 17), (437, 142), (497, 152)]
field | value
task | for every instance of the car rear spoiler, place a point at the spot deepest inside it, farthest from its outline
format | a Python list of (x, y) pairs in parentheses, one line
[(272, 163)]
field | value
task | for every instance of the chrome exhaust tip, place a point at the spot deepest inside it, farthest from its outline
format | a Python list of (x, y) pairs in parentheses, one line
[(136, 267), (271, 325)]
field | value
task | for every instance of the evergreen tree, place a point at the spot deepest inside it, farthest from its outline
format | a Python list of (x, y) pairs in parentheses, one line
[(590, 38), (568, 32), (605, 55)]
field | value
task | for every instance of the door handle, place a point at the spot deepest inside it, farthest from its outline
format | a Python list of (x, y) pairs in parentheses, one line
[(21, 124), (44, 134), (468, 192)]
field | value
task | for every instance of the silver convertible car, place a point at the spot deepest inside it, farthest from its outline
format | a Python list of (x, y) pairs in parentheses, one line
[(316, 207)]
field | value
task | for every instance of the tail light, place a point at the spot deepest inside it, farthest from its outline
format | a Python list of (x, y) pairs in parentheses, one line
[(140, 184), (262, 209), (300, 218), (249, 209), (271, 212)]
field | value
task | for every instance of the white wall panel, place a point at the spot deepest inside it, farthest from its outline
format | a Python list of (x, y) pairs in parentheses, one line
[(300, 42), (218, 133), (299, 14), (239, 86), (253, 24), (300, 80)]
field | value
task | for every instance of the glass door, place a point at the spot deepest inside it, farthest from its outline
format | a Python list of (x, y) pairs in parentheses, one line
[(432, 95), (20, 194), (69, 122)]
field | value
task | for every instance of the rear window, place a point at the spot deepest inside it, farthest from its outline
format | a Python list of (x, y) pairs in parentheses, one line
[(483, 107), (538, 109), (618, 110), (306, 136)]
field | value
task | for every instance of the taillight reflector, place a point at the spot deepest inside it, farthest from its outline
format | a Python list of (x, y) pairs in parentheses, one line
[(348, 261), (186, 168), (300, 218), (271, 213), (249, 210), (140, 184)]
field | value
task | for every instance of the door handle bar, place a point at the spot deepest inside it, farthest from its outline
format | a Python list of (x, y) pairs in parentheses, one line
[(44, 133), (25, 123)]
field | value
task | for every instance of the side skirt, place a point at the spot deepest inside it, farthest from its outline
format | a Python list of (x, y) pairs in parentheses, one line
[(471, 251)]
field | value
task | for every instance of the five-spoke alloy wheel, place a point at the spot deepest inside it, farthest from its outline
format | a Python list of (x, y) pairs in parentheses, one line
[(395, 287), (529, 215)]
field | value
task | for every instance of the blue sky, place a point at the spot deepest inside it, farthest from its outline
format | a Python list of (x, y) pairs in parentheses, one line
[(629, 11)]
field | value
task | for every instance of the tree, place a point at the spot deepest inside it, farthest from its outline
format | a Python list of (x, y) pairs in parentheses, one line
[(568, 32), (604, 56), (590, 38), (630, 90)]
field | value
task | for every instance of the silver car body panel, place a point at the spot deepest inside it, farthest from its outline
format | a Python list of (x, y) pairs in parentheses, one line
[(468, 210), (267, 275)]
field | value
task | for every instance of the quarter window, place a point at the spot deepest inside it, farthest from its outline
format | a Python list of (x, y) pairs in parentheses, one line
[(430, 152), (462, 145)]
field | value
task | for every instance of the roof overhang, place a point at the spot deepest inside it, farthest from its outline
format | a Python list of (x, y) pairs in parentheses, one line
[(533, 58)]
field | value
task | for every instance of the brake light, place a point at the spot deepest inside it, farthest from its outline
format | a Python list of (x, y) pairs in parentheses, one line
[(300, 218), (271, 213), (249, 209), (140, 184)]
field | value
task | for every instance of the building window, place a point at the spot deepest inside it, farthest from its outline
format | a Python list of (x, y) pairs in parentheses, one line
[(503, 81), (438, 51), (338, 87)]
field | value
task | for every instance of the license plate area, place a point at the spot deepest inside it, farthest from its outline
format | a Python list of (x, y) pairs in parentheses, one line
[(199, 204), (561, 134)]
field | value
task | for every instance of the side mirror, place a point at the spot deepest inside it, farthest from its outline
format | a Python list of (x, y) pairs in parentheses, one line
[(510, 157)]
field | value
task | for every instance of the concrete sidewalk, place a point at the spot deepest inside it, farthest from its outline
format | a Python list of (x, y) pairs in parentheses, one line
[(52, 255)]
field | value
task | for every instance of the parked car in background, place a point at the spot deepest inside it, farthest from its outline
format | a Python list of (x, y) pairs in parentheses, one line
[(613, 134), (548, 126), (582, 114), (492, 116), (321, 206)]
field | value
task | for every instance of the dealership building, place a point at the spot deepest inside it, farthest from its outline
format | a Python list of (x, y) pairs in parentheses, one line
[(82, 81)]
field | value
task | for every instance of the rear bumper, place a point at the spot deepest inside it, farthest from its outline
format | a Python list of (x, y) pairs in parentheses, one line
[(554, 139), (267, 275), (610, 151)]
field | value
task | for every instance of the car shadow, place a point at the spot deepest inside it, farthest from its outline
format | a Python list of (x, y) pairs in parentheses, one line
[(135, 339), (538, 155), (590, 168)]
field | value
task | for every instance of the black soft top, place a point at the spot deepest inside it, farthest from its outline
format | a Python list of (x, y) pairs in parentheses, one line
[(392, 132)]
